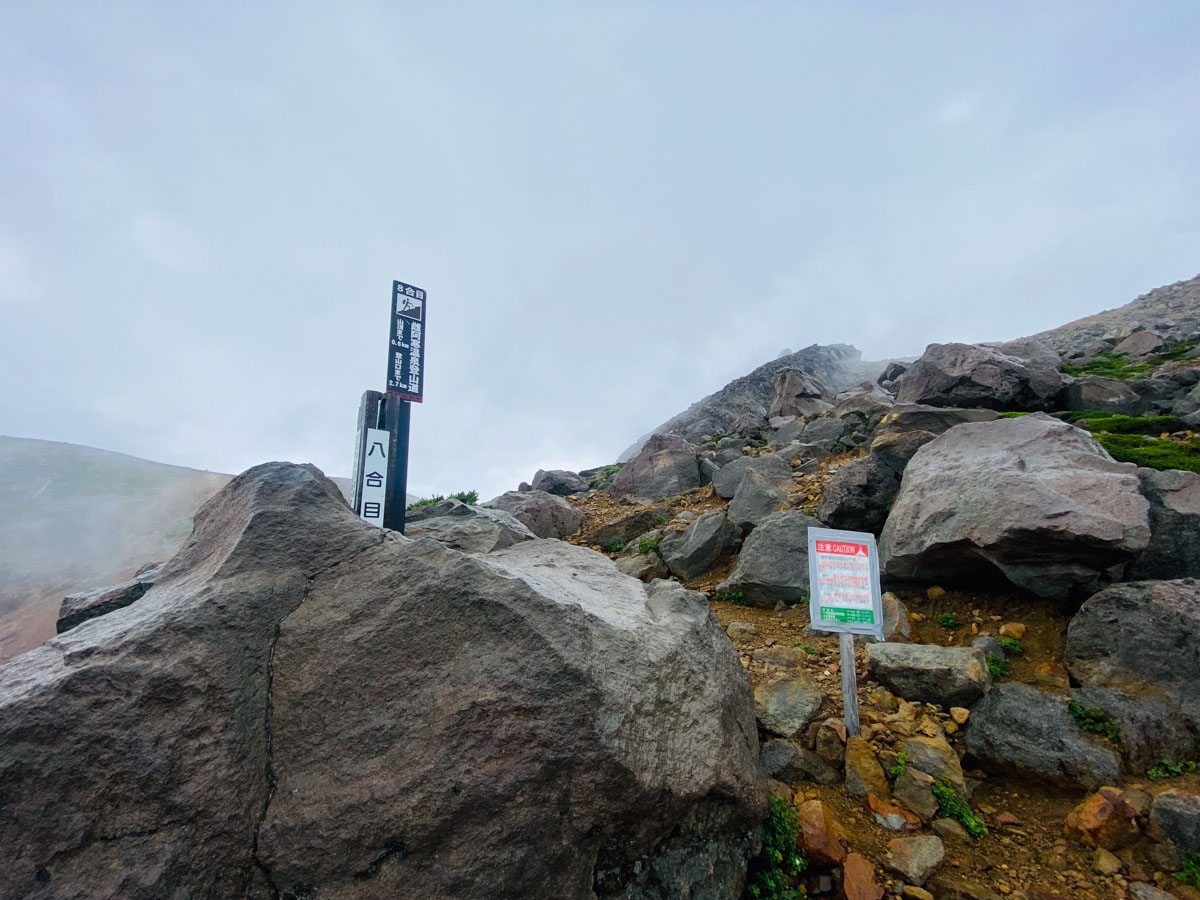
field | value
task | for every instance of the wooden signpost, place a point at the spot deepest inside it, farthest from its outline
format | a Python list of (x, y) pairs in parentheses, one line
[(844, 597)]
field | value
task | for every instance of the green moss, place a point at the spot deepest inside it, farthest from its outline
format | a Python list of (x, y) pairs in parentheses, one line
[(1153, 453), (737, 598), (1012, 415), (999, 666), (1189, 873), (616, 546), (809, 649), (1095, 721), (774, 873), (1110, 365), (901, 765), (1152, 425), (955, 807), (948, 620)]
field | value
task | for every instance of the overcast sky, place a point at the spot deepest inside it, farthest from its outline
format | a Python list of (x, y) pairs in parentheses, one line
[(615, 208)]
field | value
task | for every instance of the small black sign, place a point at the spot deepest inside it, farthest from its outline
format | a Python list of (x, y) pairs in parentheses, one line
[(406, 360)]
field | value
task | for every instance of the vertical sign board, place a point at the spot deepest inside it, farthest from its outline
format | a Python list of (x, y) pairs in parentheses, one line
[(372, 491), (843, 577), (406, 362)]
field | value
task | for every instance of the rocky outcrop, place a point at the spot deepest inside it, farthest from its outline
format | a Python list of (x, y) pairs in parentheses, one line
[(950, 676), (1172, 311), (78, 608), (695, 550), (757, 497), (666, 466), (1033, 497), (1174, 550), (772, 566), (1017, 728), (559, 482), (728, 478), (909, 417), (628, 527), (797, 393), (472, 529), (1107, 395), (838, 367), (1017, 377), (545, 514), (307, 705), (867, 399), (1142, 638)]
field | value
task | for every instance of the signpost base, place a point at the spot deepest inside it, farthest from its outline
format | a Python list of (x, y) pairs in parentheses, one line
[(396, 413), (849, 683)]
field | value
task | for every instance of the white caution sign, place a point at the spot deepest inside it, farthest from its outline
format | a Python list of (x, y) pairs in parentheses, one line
[(373, 487), (843, 574)]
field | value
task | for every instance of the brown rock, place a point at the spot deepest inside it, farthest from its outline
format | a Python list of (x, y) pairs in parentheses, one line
[(960, 714), (820, 837), (1007, 818), (1103, 820), (1014, 630), (914, 789), (858, 880), (916, 858), (934, 756), (891, 816), (946, 888), (1105, 862), (864, 775)]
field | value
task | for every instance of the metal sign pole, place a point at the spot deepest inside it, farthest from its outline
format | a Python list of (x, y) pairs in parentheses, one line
[(849, 683), (396, 415)]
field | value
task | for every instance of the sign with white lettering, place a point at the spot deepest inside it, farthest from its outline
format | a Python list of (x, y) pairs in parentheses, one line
[(372, 490), (406, 361), (843, 575)]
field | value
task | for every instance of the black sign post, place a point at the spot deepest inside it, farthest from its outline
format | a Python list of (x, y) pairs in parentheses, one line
[(405, 385)]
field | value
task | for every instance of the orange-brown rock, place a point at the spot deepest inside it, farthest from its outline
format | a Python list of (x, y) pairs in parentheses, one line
[(891, 816), (820, 837), (858, 880), (1103, 820)]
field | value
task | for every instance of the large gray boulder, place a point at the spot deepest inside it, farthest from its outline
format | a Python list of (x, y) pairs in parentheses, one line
[(559, 482), (908, 417), (626, 528), (858, 495), (308, 706), (1142, 638), (797, 393), (697, 549), (666, 466), (1151, 730), (1109, 395), (866, 398), (1176, 816), (949, 676), (545, 514), (772, 566), (728, 478), (1033, 497), (1018, 377), (757, 497), (472, 529), (1174, 550), (1017, 728)]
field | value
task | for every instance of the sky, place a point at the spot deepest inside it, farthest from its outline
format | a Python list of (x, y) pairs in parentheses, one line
[(615, 208)]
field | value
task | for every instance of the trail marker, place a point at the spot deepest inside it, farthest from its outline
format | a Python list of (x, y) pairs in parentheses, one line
[(844, 596), (380, 485)]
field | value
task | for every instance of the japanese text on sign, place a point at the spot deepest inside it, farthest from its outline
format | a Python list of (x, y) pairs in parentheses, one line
[(844, 580), (406, 359), (373, 489)]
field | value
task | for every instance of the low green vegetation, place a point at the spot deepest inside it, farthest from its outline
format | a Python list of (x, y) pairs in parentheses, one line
[(999, 666), (1110, 365), (809, 649), (616, 546), (1012, 415), (661, 517), (471, 498), (774, 873), (1011, 646), (1152, 425), (901, 765), (1189, 873), (1153, 453), (948, 620), (648, 545), (1169, 769), (602, 477), (839, 447), (737, 598), (955, 807), (1095, 721)]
